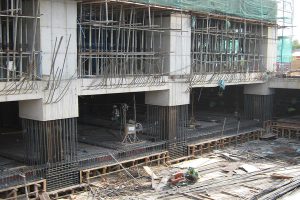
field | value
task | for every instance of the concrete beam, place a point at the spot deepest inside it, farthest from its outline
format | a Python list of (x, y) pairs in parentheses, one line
[(212, 80), (284, 83), (258, 89), (177, 94), (94, 86), (55, 104)]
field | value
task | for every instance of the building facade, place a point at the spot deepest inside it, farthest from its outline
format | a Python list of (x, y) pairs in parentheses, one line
[(65, 64)]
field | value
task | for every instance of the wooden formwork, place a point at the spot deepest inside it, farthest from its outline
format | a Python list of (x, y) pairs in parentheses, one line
[(26, 191), (283, 129), (66, 192), (87, 175), (220, 142), (286, 131), (178, 160)]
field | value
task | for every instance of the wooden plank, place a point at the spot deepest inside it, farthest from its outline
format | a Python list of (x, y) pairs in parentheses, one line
[(150, 173), (191, 196), (22, 186), (44, 196)]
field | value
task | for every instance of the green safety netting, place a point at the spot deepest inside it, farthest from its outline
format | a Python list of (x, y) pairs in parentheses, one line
[(255, 9), (284, 49)]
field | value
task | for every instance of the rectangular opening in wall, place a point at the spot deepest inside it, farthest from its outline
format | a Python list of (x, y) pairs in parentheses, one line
[(215, 112), (114, 126)]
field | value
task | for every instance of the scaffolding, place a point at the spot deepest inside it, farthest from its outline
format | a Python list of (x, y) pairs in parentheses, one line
[(19, 50), (117, 41), (285, 34), (121, 42), (224, 46)]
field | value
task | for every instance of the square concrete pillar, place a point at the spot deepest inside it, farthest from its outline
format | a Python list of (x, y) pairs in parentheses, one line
[(269, 48), (58, 19)]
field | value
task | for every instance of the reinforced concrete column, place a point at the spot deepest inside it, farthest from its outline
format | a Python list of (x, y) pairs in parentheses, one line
[(167, 122), (258, 102), (49, 142), (175, 44), (50, 123), (168, 112), (58, 44)]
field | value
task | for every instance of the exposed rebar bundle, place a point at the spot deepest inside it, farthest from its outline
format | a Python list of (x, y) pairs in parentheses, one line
[(167, 122), (50, 142)]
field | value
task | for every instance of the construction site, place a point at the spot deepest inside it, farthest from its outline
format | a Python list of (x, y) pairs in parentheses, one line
[(148, 99)]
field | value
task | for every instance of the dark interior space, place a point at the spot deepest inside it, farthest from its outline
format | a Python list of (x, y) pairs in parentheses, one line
[(102, 122), (9, 117), (286, 103), (217, 100), (10, 129), (216, 112), (104, 116), (101, 107), (11, 140)]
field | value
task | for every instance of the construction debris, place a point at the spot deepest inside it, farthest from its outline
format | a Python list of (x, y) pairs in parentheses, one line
[(281, 176), (150, 172), (197, 163), (253, 176), (192, 175), (249, 168), (229, 157)]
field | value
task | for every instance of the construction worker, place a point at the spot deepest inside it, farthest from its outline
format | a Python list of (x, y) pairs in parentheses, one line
[(115, 114)]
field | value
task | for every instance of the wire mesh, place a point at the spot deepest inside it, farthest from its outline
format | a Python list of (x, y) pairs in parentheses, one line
[(62, 175), (105, 158), (14, 177)]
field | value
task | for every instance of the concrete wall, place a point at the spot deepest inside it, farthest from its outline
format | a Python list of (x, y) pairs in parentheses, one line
[(180, 44), (177, 94), (63, 103), (258, 89), (284, 83), (175, 43), (58, 19), (269, 49), (258, 102)]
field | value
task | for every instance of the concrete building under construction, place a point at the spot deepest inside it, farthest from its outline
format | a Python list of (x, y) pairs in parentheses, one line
[(88, 84)]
